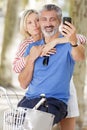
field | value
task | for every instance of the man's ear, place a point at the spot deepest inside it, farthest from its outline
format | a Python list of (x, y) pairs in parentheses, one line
[(59, 20)]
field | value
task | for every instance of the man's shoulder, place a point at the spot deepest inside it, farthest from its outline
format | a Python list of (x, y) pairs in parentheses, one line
[(39, 42), (36, 43)]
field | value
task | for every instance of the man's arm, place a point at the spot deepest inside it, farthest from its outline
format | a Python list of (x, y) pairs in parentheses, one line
[(81, 39), (25, 76), (78, 51)]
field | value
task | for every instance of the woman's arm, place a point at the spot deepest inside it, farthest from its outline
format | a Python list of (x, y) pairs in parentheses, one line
[(52, 44), (19, 60), (25, 76)]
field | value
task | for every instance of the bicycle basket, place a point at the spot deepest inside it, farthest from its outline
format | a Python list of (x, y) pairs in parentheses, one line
[(14, 119), (38, 120), (27, 119)]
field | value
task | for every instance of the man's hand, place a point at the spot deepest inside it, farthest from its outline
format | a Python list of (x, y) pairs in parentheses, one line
[(69, 31)]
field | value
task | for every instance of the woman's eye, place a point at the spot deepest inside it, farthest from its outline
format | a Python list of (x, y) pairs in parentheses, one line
[(29, 22)]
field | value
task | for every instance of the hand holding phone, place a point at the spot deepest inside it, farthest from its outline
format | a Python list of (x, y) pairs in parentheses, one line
[(68, 19)]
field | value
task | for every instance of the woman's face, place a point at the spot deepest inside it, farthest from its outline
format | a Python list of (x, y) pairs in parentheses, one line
[(32, 24)]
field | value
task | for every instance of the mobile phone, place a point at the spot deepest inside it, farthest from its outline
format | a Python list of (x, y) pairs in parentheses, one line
[(68, 19)]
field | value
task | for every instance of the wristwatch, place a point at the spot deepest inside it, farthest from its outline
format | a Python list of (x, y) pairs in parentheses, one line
[(74, 45), (78, 42)]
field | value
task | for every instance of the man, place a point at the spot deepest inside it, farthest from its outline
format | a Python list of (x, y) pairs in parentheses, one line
[(54, 78)]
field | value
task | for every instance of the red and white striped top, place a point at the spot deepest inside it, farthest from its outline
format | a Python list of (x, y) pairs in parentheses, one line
[(82, 39), (19, 62)]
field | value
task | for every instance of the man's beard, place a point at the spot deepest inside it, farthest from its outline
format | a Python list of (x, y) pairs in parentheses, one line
[(50, 33)]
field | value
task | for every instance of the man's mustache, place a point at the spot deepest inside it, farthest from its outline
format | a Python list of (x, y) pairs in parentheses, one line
[(49, 26)]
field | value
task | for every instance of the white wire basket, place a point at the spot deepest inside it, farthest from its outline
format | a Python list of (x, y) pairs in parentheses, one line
[(14, 119)]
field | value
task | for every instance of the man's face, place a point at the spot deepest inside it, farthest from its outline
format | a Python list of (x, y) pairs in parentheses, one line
[(49, 23)]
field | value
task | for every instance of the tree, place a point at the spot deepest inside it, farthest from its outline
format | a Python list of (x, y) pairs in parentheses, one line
[(24, 3), (78, 11), (10, 24)]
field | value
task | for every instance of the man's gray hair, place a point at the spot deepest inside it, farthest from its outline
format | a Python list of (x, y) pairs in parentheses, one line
[(50, 7)]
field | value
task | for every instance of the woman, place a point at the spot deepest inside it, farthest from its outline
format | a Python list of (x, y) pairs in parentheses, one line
[(30, 29)]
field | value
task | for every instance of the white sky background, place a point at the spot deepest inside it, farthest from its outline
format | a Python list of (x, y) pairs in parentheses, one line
[(37, 5)]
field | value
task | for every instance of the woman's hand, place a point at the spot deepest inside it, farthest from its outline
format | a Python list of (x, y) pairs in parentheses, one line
[(35, 52), (46, 51)]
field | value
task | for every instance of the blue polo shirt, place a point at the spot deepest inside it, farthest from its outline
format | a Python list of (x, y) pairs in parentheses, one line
[(52, 80)]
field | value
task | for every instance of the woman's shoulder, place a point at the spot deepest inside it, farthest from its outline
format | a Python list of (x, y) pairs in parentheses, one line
[(25, 42)]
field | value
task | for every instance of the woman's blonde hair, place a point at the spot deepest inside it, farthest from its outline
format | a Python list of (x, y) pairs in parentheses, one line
[(23, 19)]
